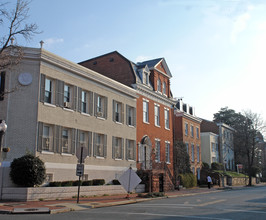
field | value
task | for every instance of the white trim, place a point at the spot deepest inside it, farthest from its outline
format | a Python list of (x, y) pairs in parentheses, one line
[(49, 104), (46, 152)]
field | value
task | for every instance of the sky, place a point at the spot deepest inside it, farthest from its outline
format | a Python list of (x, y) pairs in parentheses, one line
[(215, 49)]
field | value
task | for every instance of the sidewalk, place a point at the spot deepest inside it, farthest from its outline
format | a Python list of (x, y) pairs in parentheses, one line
[(66, 205)]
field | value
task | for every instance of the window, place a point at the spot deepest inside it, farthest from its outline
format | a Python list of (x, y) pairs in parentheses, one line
[(99, 148), (157, 151), (131, 115), (198, 153), (48, 91), (192, 130), (100, 106), (186, 129), (197, 131), (213, 147), (47, 138), (157, 115), (84, 102), (145, 78), (187, 146), (2, 85), (118, 148), (167, 152), (159, 89), (66, 140), (192, 153), (145, 111), (66, 93), (166, 118), (130, 150), (164, 88), (118, 112)]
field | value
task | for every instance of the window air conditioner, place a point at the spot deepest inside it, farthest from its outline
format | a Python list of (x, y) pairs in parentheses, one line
[(99, 114), (67, 105)]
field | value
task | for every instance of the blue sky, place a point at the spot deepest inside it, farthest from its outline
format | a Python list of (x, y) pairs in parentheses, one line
[(215, 49)]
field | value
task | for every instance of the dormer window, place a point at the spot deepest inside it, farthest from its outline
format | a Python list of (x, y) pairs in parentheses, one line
[(164, 88), (145, 78), (159, 89)]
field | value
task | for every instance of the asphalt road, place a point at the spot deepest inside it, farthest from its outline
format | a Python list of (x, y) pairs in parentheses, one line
[(248, 203)]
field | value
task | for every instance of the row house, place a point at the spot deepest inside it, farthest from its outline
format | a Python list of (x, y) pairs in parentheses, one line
[(187, 130), (220, 144), (58, 106), (151, 81)]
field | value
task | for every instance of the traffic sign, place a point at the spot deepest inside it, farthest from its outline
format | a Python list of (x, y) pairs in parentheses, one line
[(81, 153), (80, 170)]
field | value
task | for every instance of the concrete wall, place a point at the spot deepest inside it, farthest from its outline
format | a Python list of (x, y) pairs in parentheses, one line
[(46, 193)]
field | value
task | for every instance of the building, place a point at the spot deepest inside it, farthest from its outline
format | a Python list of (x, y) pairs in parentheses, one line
[(151, 81), (225, 142), (59, 106), (187, 130)]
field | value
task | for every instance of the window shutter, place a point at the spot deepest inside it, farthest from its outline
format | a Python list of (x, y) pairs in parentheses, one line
[(73, 141), (105, 146), (105, 107), (122, 148), (89, 143), (78, 138), (91, 103), (134, 150), (59, 93), (122, 113), (95, 103), (40, 134), (42, 87), (94, 144), (134, 117), (74, 105), (79, 99), (114, 110), (113, 147), (57, 139), (127, 149), (127, 116)]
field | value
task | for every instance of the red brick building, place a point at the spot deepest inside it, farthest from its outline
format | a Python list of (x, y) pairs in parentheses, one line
[(154, 112), (187, 130)]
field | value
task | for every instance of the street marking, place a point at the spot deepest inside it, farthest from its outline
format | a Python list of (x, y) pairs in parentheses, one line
[(211, 203), (239, 210)]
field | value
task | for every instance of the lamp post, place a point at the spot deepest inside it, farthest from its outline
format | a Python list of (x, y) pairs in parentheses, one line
[(3, 127)]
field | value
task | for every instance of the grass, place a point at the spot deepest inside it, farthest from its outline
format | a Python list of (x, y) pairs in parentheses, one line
[(230, 173)]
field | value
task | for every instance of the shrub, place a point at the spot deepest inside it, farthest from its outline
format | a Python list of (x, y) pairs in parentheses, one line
[(188, 180), (76, 183), (116, 182), (98, 182), (205, 166), (217, 166), (55, 184), (27, 171), (87, 183), (67, 183)]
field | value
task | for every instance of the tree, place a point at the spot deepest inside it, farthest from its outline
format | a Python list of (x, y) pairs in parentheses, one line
[(249, 128), (181, 159), (14, 25), (27, 171)]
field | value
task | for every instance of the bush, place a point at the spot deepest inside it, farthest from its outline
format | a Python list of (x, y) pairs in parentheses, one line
[(116, 182), (205, 166), (188, 180), (27, 171), (55, 184), (98, 182), (87, 183), (217, 166), (67, 183)]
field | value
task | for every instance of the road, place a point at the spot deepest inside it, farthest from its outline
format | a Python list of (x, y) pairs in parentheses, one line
[(248, 203)]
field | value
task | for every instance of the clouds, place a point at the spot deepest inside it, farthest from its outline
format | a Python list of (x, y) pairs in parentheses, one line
[(239, 26)]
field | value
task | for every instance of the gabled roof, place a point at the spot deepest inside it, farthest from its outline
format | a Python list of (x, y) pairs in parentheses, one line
[(209, 126)]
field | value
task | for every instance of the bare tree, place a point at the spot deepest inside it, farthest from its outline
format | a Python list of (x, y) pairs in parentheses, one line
[(15, 21)]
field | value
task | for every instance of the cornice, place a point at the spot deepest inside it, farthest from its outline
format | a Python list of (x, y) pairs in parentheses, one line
[(188, 116), (46, 56)]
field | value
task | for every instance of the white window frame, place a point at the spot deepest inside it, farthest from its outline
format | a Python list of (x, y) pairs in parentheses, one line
[(192, 152), (192, 130), (157, 150), (130, 150), (159, 85), (145, 111), (117, 148), (197, 132), (167, 152), (99, 151), (49, 90), (47, 139), (167, 118), (130, 115), (157, 115), (164, 88), (84, 101), (198, 153)]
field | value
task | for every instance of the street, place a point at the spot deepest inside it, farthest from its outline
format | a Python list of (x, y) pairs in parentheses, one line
[(247, 203)]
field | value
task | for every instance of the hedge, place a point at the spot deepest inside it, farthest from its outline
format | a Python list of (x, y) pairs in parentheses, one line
[(94, 182), (188, 180)]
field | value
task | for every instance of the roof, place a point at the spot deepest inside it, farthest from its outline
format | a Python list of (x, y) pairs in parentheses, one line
[(209, 126)]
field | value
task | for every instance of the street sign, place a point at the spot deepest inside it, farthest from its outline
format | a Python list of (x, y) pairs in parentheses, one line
[(82, 153), (129, 180), (80, 170)]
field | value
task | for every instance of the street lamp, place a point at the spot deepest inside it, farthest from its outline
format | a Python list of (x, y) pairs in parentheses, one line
[(3, 127)]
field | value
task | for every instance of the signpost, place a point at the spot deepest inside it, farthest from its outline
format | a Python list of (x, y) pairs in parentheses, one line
[(81, 154)]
